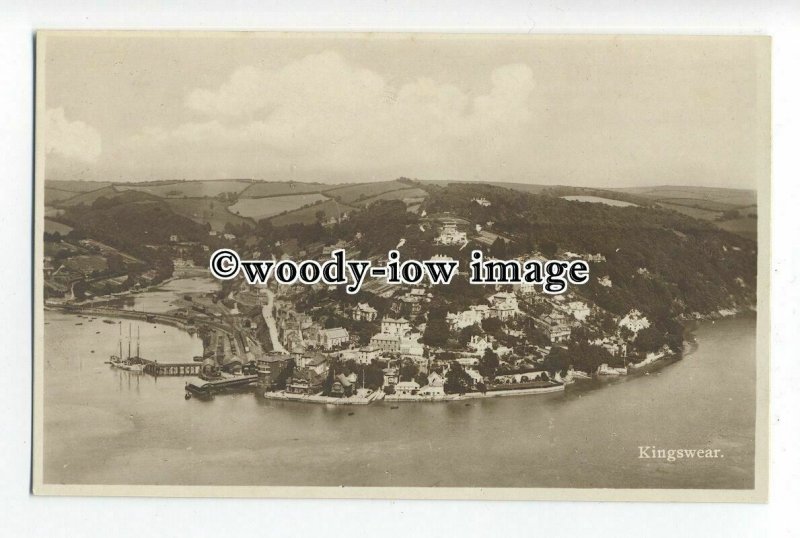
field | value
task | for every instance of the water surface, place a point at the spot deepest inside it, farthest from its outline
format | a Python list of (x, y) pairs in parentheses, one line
[(103, 426)]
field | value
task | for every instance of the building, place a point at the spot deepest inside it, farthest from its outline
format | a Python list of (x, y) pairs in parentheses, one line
[(304, 381), (578, 310), (634, 321), (555, 327), (450, 235), (363, 355), (398, 327), (330, 338), (406, 388), (341, 387), (270, 367), (364, 312), (386, 342), (475, 314)]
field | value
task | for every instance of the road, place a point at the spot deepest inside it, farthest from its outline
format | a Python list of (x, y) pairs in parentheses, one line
[(266, 311)]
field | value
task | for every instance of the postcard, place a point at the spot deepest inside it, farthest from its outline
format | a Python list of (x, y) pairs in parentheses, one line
[(458, 266)]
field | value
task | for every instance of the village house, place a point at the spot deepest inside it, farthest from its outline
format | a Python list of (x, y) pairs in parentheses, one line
[(342, 387), (450, 235), (435, 386), (406, 388), (330, 338), (634, 321), (578, 310), (316, 362), (504, 305), (391, 376), (386, 342), (364, 312), (555, 326), (475, 314), (397, 327), (363, 355)]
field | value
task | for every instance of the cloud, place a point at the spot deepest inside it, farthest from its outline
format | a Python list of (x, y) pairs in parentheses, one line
[(323, 113), (71, 139)]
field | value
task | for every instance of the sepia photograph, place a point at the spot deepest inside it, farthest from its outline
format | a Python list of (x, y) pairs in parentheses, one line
[(237, 236)]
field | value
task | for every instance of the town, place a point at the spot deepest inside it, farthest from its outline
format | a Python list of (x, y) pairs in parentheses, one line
[(407, 341)]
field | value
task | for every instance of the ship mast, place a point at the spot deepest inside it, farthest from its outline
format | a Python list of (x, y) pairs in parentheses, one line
[(120, 340), (129, 341), (137, 342)]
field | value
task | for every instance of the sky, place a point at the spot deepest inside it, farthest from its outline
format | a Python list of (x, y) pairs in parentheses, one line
[(582, 111)]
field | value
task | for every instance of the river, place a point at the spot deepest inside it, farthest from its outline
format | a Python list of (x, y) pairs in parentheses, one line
[(104, 426)]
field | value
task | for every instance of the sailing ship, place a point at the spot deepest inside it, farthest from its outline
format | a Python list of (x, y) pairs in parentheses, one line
[(130, 363)]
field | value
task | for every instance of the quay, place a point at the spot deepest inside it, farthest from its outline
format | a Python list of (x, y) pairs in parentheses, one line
[(320, 399)]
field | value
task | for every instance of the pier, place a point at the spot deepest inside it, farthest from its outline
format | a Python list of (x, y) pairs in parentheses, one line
[(156, 368)]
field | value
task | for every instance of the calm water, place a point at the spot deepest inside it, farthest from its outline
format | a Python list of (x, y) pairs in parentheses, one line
[(164, 298), (104, 426)]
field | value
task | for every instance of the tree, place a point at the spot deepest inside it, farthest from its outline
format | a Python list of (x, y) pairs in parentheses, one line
[(457, 380), (436, 333), (492, 325), (557, 360), (489, 363)]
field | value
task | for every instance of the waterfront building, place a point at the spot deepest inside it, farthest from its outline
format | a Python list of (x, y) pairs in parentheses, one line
[(406, 388)]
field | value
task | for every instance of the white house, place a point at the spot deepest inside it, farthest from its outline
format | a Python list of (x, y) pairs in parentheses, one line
[(398, 327), (330, 338)]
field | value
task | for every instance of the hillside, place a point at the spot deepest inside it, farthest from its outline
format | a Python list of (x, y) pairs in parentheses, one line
[(661, 262)]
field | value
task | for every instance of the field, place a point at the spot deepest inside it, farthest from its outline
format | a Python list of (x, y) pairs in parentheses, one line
[(307, 215), (263, 189), (206, 210), (75, 186), (361, 191), (52, 195), (190, 189), (414, 195), (260, 208), (51, 226), (728, 197), (86, 264), (87, 197)]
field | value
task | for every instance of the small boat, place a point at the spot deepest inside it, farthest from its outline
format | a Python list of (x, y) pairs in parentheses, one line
[(109, 321), (79, 324)]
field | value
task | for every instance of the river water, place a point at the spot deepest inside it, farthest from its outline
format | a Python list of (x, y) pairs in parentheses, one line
[(104, 426)]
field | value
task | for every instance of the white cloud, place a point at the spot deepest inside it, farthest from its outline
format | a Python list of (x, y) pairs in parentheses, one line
[(324, 113), (71, 139)]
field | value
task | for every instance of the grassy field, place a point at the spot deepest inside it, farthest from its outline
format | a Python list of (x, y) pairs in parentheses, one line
[(414, 195), (260, 208), (263, 189), (86, 264), (206, 210), (191, 189), (696, 195), (75, 186), (307, 215), (361, 191), (88, 197), (53, 195), (51, 226)]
